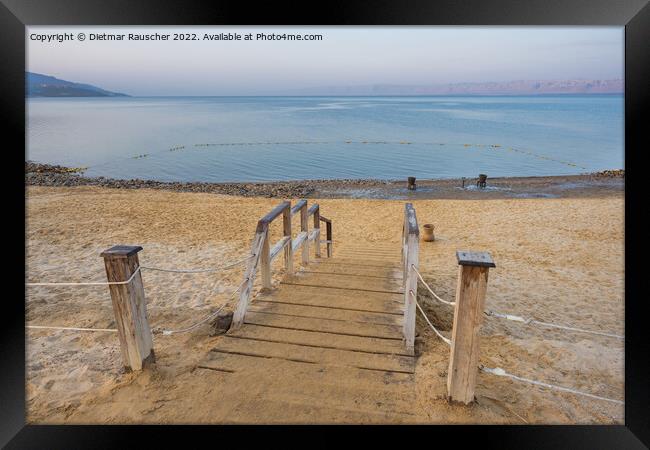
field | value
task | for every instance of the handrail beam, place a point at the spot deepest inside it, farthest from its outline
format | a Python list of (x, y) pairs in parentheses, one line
[(298, 206), (264, 222)]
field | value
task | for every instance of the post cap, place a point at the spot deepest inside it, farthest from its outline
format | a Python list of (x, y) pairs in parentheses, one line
[(480, 259), (121, 251)]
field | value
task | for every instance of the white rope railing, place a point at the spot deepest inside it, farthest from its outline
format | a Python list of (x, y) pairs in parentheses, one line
[(202, 321), (112, 283), (429, 289), (447, 341), (98, 283), (498, 371), (206, 270), (530, 321), (43, 327)]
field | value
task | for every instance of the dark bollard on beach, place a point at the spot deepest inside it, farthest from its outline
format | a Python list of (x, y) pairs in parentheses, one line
[(411, 183)]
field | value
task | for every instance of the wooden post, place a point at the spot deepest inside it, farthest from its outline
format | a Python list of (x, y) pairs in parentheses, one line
[(468, 316), (288, 250), (304, 228), (411, 280), (129, 306), (265, 261), (328, 231), (249, 275), (411, 183), (317, 228)]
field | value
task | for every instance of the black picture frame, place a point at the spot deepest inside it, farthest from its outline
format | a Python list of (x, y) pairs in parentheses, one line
[(633, 14)]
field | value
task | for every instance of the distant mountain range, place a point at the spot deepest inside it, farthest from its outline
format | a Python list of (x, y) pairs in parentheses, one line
[(39, 85), (520, 87)]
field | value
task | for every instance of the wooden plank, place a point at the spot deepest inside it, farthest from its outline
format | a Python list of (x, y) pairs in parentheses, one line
[(387, 264), (129, 306), (359, 301), (288, 249), (411, 220), (324, 325), (279, 411), (316, 355), (265, 262), (370, 250), (347, 262), (298, 206), (299, 240), (328, 232), (304, 230), (411, 291), (321, 339), (468, 315), (282, 208), (328, 313), (333, 386), (343, 281), (341, 272), (277, 248), (479, 259), (322, 374), (313, 234), (315, 210), (249, 276)]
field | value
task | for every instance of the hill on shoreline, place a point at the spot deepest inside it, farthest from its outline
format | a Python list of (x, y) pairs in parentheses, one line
[(39, 85), (517, 87)]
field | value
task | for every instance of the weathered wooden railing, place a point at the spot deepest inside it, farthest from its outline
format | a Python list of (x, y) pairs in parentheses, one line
[(410, 252), (263, 254)]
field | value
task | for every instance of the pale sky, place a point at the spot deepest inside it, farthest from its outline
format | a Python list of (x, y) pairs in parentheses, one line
[(346, 56)]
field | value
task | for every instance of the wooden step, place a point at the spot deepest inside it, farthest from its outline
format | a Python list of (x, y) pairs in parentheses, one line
[(315, 355), (358, 270), (363, 257), (336, 298), (324, 325), (279, 411), (392, 345), (311, 384), (384, 264), (345, 282), (331, 314)]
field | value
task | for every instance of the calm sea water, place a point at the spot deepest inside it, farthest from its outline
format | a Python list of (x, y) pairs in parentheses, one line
[(282, 138)]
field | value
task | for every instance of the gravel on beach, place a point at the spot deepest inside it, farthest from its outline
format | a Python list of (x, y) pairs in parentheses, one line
[(585, 185)]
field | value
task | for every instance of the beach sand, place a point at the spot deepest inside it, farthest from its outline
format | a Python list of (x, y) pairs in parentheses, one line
[(558, 260)]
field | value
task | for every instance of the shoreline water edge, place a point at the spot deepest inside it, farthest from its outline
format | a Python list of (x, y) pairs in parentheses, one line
[(608, 182)]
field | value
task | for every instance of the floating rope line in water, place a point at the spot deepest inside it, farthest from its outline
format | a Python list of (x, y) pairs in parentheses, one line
[(498, 371), (43, 327), (213, 269), (447, 341), (402, 142), (381, 142), (547, 324), (429, 289), (99, 283)]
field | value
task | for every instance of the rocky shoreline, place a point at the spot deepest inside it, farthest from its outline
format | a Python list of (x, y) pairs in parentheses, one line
[(37, 174)]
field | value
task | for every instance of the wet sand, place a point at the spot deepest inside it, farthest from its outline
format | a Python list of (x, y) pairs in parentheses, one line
[(558, 260)]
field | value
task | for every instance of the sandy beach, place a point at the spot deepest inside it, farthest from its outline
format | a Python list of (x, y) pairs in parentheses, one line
[(558, 260)]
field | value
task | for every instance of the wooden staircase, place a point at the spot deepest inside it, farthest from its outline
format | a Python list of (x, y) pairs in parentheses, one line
[(325, 346)]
